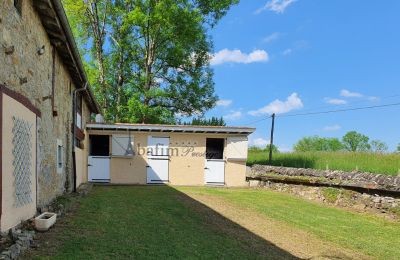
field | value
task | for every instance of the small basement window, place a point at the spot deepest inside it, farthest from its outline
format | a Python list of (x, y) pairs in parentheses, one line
[(215, 148), (99, 145), (18, 6), (60, 158)]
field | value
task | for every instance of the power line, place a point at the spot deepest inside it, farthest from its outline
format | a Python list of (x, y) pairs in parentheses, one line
[(341, 110), (352, 103), (326, 112), (257, 121)]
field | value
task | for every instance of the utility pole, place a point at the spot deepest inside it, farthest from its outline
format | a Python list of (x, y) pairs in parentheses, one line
[(272, 139)]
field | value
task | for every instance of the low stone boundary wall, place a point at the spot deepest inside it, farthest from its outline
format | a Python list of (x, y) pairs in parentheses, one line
[(328, 177), (362, 202)]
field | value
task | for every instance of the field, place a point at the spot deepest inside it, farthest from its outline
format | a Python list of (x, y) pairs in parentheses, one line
[(162, 222), (388, 164)]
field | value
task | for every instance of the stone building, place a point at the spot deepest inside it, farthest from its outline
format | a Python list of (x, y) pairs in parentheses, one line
[(40, 69)]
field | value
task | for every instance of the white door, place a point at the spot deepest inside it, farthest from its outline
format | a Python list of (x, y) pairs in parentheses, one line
[(215, 172), (158, 160), (99, 168)]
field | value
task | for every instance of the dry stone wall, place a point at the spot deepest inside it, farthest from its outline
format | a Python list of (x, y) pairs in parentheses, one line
[(352, 179)]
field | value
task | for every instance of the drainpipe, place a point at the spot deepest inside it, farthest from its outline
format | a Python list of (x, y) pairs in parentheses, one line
[(74, 95)]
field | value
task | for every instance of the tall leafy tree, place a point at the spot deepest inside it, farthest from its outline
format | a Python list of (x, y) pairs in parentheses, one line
[(148, 59), (356, 142), (398, 148), (378, 146)]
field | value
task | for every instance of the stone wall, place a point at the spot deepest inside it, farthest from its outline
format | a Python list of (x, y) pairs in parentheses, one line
[(25, 71), (350, 179), (338, 197)]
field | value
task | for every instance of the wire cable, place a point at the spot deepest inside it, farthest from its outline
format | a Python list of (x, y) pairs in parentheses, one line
[(325, 112), (340, 110)]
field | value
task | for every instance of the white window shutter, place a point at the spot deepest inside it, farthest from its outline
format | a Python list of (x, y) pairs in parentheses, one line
[(120, 145), (237, 148)]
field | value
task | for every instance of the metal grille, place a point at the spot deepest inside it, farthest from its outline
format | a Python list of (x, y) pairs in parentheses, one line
[(22, 162)]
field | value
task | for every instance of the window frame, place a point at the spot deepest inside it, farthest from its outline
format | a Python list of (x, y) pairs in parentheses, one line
[(78, 116), (60, 157)]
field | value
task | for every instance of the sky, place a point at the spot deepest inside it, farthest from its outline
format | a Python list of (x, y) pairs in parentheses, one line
[(300, 56)]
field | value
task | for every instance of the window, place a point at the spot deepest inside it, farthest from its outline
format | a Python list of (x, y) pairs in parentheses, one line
[(215, 148), (99, 145), (18, 6), (60, 163), (79, 111), (122, 145)]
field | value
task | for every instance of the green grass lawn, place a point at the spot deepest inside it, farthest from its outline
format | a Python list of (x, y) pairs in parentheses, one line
[(163, 222), (371, 235), (146, 222), (376, 163)]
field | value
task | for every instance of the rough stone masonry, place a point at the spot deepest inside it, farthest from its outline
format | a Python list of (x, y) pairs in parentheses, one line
[(355, 179)]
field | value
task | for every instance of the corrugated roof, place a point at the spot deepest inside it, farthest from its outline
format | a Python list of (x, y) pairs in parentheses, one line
[(171, 128)]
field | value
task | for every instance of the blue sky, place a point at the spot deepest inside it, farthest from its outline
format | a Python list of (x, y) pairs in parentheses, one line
[(296, 56)]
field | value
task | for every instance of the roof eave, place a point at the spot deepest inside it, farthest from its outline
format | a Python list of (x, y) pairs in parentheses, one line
[(55, 22), (171, 129)]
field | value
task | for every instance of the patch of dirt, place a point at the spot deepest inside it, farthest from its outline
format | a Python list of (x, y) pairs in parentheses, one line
[(298, 243)]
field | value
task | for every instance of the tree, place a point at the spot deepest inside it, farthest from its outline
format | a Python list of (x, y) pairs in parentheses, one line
[(378, 146), (213, 121), (398, 148), (274, 148), (265, 149), (148, 60), (355, 142), (316, 143)]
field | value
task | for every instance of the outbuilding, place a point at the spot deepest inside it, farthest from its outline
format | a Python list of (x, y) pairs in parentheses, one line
[(167, 154)]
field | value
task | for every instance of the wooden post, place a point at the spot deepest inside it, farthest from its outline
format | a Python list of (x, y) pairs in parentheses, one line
[(272, 139)]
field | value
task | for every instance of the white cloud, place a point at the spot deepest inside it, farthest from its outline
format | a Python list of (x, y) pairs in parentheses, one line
[(224, 102), (233, 116), (237, 56), (332, 128), (293, 102), (272, 37), (259, 142), (335, 101), (277, 6), (287, 52), (347, 93)]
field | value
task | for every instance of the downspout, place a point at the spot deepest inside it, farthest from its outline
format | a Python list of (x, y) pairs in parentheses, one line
[(74, 95)]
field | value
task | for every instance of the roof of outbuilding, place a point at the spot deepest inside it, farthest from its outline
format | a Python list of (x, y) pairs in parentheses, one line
[(55, 22), (171, 128)]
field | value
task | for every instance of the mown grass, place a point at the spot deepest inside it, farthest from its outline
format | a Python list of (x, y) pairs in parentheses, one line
[(363, 233), (388, 164), (147, 223)]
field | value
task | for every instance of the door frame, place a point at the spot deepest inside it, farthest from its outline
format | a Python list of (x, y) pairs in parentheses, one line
[(109, 169), (221, 160), (155, 158), (224, 173)]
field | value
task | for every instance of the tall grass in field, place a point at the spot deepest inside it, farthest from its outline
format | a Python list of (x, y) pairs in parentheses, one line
[(367, 162)]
